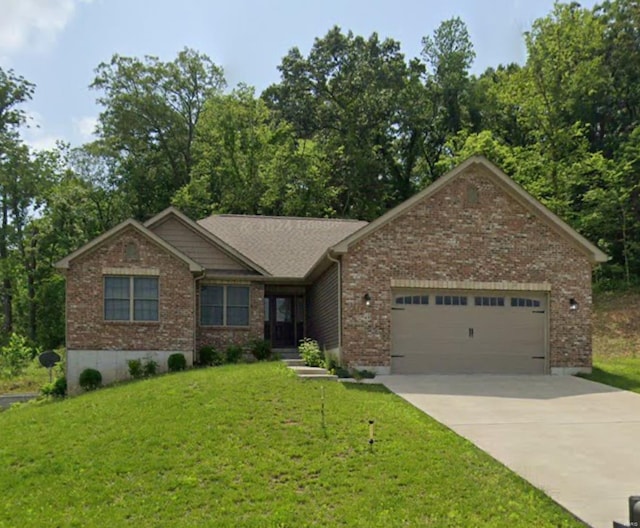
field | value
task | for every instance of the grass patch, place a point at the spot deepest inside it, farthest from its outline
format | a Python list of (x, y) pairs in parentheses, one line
[(616, 340), (244, 445), (31, 380)]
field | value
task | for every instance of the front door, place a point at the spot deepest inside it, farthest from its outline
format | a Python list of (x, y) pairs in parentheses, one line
[(279, 321)]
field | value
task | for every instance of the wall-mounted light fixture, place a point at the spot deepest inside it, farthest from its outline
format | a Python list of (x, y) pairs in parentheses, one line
[(573, 304), (367, 299)]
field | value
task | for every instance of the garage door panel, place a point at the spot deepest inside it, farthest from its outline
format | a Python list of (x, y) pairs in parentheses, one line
[(493, 332)]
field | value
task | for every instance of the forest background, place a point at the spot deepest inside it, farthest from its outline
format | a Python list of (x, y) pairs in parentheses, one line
[(351, 129)]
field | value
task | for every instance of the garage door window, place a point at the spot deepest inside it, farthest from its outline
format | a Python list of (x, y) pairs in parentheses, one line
[(451, 300), (412, 299), (489, 301), (521, 302)]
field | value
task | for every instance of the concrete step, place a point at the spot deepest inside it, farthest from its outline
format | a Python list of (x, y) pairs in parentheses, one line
[(287, 353), (294, 362)]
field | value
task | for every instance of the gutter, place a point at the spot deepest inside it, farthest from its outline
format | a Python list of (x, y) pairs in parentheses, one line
[(339, 263)]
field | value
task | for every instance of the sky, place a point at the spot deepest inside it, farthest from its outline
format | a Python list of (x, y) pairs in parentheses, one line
[(57, 44)]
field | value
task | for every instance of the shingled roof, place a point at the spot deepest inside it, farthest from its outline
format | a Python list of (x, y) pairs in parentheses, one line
[(286, 247)]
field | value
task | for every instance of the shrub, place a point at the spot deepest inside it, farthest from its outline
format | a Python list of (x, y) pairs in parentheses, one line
[(210, 356), (15, 356), (233, 353), (150, 368), (310, 352), (331, 363), (135, 368), (261, 349), (176, 362), (57, 389), (90, 379)]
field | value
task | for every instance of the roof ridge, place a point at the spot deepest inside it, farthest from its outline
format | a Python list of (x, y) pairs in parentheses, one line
[(273, 217)]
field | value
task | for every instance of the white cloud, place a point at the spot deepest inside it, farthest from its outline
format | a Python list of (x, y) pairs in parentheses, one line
[(33, 24), (34, 134), (85, 127)]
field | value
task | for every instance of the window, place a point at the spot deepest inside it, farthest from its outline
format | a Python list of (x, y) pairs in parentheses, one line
[(412, 299), (131, 298), (521, 302), (224, 305), (451, 300), (489, 301)]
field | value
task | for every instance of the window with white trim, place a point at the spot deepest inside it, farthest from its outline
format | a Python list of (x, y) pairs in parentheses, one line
[(224, 305), (130, 298)]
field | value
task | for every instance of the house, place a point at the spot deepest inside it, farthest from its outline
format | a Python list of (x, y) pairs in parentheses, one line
[(471, 275)]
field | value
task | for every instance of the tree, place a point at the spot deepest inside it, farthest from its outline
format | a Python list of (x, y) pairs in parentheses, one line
[(151, 111), (346, 96), (14, 91), (251, 163)]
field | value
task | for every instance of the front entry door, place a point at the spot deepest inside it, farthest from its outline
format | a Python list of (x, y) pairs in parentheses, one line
[(279, 325)]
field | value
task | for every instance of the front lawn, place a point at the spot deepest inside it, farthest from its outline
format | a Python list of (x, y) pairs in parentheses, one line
[(244, 445)]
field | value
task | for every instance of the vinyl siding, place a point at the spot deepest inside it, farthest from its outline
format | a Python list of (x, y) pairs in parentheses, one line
[(323, 309), (195, 246)]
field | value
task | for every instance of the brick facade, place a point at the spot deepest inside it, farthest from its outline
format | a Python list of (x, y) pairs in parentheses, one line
[(469, 230), (86, 327)]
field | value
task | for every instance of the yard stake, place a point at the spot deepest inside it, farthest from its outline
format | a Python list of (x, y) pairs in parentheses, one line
[(322, 405), (371, 440)]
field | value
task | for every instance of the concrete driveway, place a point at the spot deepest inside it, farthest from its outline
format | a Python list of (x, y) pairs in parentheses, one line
[(576, 440)]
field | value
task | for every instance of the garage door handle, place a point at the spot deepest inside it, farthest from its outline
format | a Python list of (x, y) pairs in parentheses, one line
[(537, 357), (394, 308), (396, 355), (537, 311)]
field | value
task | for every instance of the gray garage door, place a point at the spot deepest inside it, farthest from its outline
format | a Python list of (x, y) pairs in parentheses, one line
[(453, 332)]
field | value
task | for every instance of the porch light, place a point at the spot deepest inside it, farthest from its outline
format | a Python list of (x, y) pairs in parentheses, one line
[(367, 299), (573, 304)]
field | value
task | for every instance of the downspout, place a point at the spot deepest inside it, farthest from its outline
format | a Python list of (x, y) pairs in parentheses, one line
[(339, 263), (195, 313)]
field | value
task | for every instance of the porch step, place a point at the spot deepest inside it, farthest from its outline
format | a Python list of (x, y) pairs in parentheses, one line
[(297, 362), (287, 353), (318, 373)]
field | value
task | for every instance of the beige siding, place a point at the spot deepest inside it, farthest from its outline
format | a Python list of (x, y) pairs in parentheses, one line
[(195, 246), (323, 309)]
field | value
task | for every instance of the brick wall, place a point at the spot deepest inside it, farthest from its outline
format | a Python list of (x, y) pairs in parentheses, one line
[(221, 337), (86, 327), (452, 236)]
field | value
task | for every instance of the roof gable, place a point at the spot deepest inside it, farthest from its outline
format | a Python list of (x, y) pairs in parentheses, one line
[(232, 252), (594, 254), (137, 226), (287, 247)]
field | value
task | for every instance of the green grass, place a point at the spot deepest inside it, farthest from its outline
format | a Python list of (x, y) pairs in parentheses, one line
[(31, 380), (616, 340), (244, 445)]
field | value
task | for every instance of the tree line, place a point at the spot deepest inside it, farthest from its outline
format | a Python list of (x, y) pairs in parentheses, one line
[(351, 129)]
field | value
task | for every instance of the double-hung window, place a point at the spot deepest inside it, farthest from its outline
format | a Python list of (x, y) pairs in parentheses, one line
[(128, 298), (224, 305)]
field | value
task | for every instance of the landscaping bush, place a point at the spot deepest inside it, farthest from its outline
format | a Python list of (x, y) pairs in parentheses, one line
[(208, 356), (90, 379), (150, 368), (310, 352), (261, 349), (135, 368), (176, 362), (138, 369), (57, 389), (233, 353), (15, 356)]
